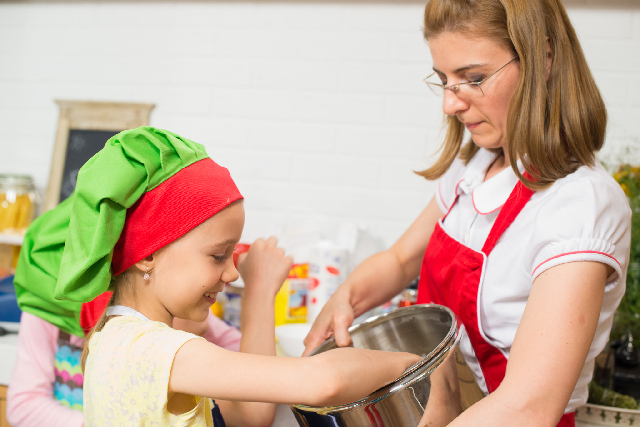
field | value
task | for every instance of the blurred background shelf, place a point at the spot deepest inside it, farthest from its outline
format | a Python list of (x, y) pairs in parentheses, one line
[(11, 239)]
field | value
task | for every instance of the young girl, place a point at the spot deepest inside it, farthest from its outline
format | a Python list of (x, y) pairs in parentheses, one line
[(156, 220), (46, 384), (527, 238)]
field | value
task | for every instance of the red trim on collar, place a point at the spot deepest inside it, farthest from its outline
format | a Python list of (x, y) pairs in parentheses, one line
[(478, 211)]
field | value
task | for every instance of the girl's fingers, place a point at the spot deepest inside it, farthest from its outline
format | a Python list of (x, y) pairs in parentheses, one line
[(242, 257), (272, 241)]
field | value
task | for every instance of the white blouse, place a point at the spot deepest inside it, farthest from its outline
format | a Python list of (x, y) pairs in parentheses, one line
[(582, 217)]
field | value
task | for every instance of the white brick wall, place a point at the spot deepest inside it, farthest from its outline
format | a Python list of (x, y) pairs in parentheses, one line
[(318, 109)]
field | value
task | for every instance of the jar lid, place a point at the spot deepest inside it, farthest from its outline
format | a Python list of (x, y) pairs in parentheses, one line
[(9, 179), (16, 182)]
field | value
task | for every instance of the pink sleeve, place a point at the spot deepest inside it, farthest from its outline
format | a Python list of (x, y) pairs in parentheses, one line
[(30, 400), (222, 334)]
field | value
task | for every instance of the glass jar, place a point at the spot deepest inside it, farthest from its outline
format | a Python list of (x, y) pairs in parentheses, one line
[(18, 200), (233, 303)]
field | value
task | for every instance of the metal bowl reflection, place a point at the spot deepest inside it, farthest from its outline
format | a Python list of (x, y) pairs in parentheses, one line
[(431, 385)]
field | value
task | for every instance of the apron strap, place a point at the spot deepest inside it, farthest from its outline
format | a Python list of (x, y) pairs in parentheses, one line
[(216, 415), (510, 210), (123, 310)]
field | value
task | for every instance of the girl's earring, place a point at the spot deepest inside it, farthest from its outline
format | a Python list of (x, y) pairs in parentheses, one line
[(146, 274)]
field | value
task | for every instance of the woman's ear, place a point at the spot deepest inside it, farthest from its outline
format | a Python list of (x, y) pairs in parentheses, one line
[(549, 57), (147, 264)]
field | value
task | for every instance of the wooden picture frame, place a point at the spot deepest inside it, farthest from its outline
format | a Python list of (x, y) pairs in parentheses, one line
[(103, 118)]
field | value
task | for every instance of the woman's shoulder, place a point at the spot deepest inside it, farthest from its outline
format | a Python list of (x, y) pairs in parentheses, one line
[(588, 185), (584, 216)]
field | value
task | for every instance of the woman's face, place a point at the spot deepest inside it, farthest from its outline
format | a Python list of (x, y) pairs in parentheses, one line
[(459, 58)]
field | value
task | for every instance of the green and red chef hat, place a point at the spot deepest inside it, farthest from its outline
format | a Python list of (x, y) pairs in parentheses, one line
[(146, 188)]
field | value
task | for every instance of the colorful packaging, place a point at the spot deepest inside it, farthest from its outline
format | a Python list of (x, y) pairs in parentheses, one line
[(291, 299), (326, 272)]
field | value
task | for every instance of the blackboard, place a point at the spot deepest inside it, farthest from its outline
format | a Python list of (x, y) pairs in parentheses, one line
[(82, 144), (83, 129)]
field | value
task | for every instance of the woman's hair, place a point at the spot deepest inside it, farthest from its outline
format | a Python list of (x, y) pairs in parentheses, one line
[(122, 283), (554, 124)]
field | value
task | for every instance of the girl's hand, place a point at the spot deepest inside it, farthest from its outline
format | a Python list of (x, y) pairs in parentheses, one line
[(264, 267), (356, 372), (334, 319)]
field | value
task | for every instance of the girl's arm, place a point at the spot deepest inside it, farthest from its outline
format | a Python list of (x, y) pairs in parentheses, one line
[(30, 400), (549, 350), (335, 377), (264, 268), (375, 281)]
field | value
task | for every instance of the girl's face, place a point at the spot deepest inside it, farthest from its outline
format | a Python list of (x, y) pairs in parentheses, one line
[(189, 273), (459, 58)]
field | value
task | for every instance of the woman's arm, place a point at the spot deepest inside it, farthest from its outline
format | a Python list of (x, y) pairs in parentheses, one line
[(549, 350), (378, 279), (335, 377), (30, 400)]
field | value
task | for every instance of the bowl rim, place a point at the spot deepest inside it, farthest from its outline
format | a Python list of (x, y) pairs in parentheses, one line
[(411, 374)]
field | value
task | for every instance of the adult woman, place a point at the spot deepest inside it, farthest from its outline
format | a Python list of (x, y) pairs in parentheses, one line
[(527, 237)]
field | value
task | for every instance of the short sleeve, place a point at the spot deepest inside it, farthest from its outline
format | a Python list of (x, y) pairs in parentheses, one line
[(127, 375), (585, 217)]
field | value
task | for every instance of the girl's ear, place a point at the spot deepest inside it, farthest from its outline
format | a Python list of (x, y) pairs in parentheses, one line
[(146, 264)]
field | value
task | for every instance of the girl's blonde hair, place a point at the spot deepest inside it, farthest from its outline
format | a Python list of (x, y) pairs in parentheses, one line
[(554, 124), (122, 283)]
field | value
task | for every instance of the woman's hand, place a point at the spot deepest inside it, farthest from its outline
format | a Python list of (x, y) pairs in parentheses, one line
[(334, 319), (374, 282)]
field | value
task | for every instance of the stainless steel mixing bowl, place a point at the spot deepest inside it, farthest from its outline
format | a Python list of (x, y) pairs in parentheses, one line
[(440, 386)]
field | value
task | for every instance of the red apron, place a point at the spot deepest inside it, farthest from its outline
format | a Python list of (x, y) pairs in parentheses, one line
[(451, 275)]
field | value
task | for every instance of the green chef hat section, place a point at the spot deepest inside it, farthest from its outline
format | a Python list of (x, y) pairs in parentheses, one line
[(131, 163), (65, 261), (38, 268), (139, 193)]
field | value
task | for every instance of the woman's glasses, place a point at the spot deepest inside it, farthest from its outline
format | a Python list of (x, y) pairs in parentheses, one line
[(469, 88)]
